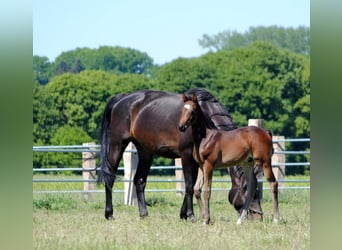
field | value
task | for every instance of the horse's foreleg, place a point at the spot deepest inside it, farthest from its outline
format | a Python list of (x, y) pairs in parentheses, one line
[(273, 188), (251, 188), (198, 190), (190, 171), (208, 175)]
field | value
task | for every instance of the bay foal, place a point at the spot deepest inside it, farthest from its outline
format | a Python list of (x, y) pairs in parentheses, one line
[(246, 146)]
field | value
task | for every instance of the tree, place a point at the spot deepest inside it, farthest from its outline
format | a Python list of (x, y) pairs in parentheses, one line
[(78, 100), (294, 39), (42, 69), (116, 60), (183, 74)]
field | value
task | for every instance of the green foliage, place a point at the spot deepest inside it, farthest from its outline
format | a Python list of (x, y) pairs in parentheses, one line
[(183, 74), (42, 69), (111, 59), (294, 39), (64, 135)]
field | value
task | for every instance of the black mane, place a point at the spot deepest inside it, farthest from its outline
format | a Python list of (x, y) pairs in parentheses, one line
[(216, 115)]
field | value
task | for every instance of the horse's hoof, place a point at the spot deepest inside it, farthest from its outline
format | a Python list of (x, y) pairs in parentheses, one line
[(275, 220), (109, 214), (183, 217), (143, 216), (109, 217)]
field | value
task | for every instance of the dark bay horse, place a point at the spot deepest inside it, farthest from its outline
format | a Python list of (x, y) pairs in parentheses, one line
[(149, 119), (247, 146)]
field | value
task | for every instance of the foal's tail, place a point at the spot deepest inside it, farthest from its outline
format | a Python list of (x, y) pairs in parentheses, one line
[(270, 133), (105, 135)]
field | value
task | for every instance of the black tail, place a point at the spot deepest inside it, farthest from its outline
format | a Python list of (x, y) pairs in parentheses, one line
[(105, 134)]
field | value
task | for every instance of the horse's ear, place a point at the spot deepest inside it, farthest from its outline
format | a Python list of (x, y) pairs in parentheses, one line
[(194, 97), (185, 98)]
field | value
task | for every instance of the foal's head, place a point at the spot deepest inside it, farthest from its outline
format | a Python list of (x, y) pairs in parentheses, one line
[(190, 112)]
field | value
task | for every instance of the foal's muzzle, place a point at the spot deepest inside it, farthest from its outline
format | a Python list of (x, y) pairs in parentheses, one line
[(183, 127)]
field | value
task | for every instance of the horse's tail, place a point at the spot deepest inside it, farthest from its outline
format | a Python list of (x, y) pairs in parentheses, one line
[(105, 135)]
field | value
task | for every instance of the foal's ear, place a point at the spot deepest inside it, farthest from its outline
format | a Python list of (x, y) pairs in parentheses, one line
[(185, 98), (194, 97)]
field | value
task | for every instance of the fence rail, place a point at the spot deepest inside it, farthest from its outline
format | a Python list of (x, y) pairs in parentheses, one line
[(95, 149)]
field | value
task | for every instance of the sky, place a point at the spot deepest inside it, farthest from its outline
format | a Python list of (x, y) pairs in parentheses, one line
[(165, 30)]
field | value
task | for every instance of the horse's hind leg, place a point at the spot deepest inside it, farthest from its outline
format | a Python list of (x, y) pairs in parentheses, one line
[(143, 168), (273, 188), (251, 188), (109, 175)]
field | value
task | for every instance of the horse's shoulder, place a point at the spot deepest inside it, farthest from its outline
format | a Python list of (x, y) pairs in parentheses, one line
[(210, 140)]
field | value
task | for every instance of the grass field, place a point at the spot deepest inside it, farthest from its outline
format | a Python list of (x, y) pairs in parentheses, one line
[(76, 221)]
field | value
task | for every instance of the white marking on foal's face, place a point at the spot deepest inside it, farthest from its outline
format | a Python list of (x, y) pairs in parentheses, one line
[(187, 106)]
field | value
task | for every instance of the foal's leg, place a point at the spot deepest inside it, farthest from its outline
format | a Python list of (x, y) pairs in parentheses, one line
[(208, 175), (198, 189), (273, 188), (251, 188)]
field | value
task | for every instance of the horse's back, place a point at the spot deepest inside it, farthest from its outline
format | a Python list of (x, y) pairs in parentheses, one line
[(150, 119)]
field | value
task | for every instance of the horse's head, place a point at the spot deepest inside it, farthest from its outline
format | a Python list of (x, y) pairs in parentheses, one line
[(190, 112)]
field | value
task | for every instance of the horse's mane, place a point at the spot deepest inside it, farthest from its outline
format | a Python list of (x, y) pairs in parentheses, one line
[(216, 115)]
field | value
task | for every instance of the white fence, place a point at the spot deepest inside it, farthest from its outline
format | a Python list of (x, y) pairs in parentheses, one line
[(90, 151)]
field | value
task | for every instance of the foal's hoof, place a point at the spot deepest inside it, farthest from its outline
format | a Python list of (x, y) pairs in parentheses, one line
[(208, 222)]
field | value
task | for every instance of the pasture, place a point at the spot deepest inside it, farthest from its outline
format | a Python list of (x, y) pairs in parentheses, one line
[(76, 221)]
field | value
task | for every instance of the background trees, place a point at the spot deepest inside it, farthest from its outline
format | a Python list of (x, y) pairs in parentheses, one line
[(294, 39), (259, 80)]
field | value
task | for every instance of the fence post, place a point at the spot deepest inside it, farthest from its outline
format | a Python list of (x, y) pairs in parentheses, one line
[(180, 186), (130, 160), (258, 123), (89, 161), (279, 170)]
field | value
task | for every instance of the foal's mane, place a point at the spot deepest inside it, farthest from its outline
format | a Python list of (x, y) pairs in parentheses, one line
[(215, 114)]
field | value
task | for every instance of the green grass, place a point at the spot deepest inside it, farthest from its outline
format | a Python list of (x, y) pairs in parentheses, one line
[(76, 221), (42, 186)]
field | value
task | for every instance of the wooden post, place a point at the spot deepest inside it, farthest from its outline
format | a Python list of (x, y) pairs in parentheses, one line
[(279, 159), (180, 186), (258, 123), (130, 160), (89, 161)]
